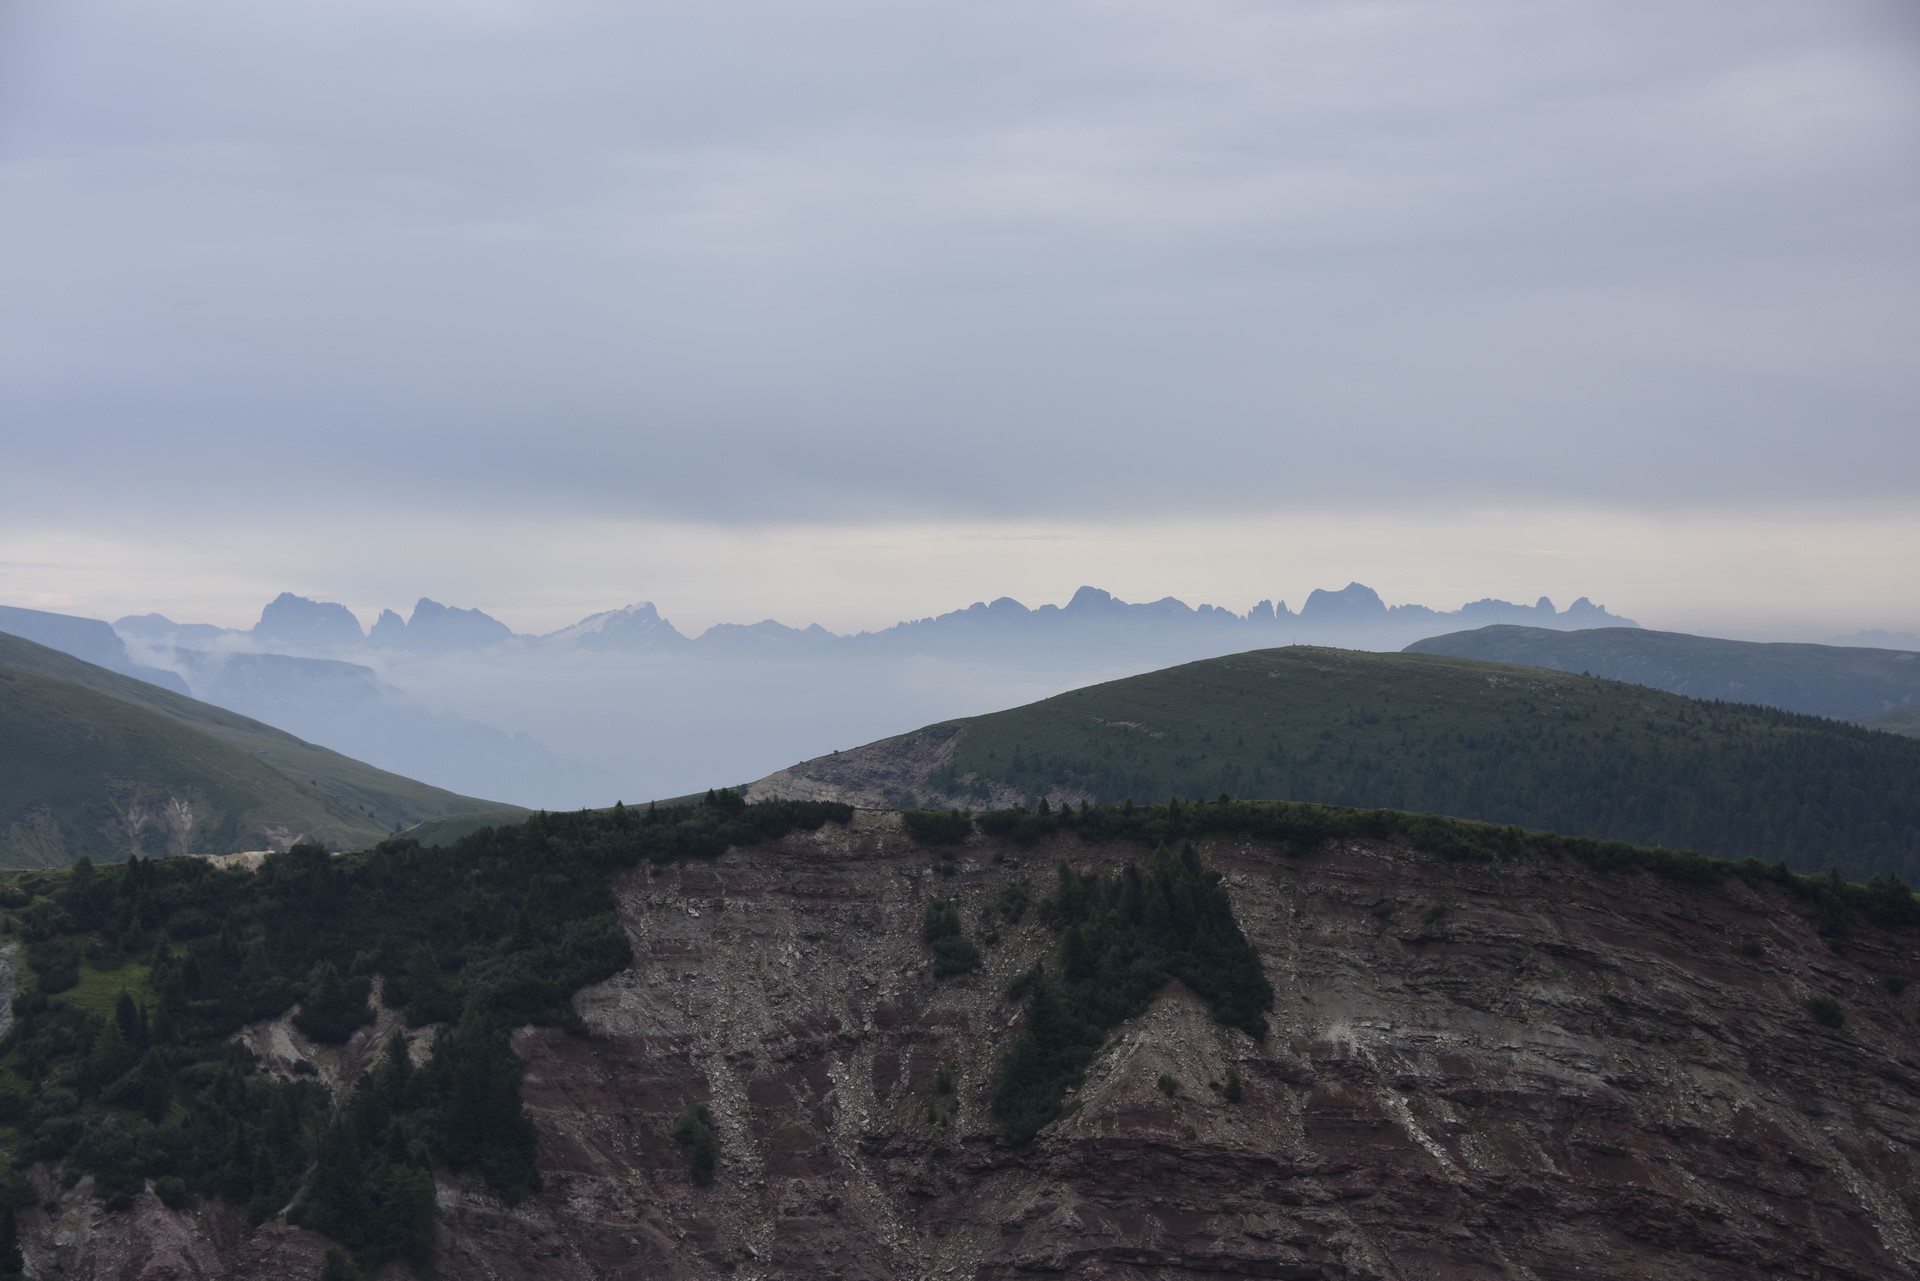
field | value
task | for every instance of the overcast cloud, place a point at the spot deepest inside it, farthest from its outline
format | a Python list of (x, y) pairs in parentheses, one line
[(857, 264)]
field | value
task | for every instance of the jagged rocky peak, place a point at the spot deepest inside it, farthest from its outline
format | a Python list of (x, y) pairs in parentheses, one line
[(312, 624), (1356, 602), (762, 636), (1354, 615), (1584, 610), (389, 631), (635, 626), (440, 629), (466, 628), (1089, 599)]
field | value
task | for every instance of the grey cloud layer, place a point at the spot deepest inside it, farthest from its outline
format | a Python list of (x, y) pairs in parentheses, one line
[(859, 259)]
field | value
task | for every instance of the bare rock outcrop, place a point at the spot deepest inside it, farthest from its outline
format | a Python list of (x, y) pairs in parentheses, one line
[(907, 769), (1532, 1071)]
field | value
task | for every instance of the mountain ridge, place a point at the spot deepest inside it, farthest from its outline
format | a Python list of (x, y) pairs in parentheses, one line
[(1429, 733), (100, 764), (1845, 682), (436, 628)]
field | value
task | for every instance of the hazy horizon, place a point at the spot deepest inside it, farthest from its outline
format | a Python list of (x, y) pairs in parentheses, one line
[(853, 312), (1726, 591)]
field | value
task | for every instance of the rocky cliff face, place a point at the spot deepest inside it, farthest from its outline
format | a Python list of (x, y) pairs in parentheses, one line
[(1474, 1071)]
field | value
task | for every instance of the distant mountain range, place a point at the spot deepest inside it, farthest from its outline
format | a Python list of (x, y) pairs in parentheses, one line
[(640, 708), (1843, 682), (97, 763), (622, 703), (298, 623), (1094, 623)]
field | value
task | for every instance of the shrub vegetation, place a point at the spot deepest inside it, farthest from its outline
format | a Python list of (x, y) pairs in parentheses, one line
[(938, 827), (493, 932), (1825, 1011), (953, 952), (692, 1129), (1122, 937)]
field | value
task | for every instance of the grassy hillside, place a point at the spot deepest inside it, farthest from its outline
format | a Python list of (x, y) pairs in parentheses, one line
[(103, 765), (1541, 749), (1843, 682)]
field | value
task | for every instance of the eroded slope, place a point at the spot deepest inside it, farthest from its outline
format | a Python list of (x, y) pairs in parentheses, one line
[(1523, 1070)]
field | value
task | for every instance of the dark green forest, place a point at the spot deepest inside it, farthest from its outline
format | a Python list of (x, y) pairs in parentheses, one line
[(1547, 750), (119, 1061), (1122, 938)]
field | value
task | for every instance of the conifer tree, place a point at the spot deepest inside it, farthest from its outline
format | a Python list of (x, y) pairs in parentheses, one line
[(338, 1267), (12, 1264)]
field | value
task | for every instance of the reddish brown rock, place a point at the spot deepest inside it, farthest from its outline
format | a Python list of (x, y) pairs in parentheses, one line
[(1563, 1075)]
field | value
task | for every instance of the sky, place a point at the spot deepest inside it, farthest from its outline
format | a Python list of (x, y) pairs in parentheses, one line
[(857, 310)]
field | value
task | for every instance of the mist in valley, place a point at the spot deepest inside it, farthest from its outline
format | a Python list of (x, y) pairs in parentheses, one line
[(666, 725), (622, 705)]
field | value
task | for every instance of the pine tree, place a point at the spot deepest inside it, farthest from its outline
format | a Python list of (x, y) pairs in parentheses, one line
[(407, 1213), (693, 1131), (330, 1009), (338, 1267), (336, 1202), (130, 1020), (11, 1262), (429, 997)]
